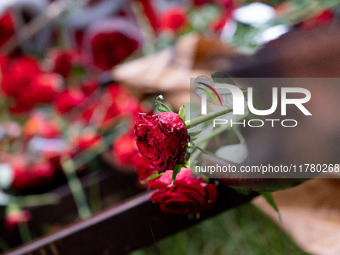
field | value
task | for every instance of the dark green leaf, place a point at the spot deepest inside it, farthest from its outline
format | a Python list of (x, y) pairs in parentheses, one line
[(176, 171), (269, 197), (217, 75)]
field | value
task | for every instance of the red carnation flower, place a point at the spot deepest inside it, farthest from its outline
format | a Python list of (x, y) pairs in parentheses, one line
[(110, 41), (125, 149), (186, 196), (37, 125), (62, 62), (28, 176), (117, 102), (44, 87), (122, 101), (161, 139), (25, 82), (90, 86), (173, 19), (87, 141), (109, 49), (68, 99), (18, 75)]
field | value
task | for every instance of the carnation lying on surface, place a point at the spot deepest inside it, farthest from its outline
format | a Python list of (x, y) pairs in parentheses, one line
[(186, 196)]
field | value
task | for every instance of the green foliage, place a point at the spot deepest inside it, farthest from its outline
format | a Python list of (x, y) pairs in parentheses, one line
[(242, 230), (182, 112), (161, 106), (269, 197), (176, 171)]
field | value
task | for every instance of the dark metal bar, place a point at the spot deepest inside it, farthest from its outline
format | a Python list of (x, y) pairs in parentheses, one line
[(123, 228)]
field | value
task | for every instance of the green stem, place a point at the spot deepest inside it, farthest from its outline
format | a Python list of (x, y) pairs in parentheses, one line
[(37, 200), (76, 188), (24, 232), (216, 132), (210, 116), (196, 153)]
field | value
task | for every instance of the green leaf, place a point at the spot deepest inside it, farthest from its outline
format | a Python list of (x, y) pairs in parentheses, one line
[(194, 135), (242, 191), (161, 106), (217, 75), (154, 176), (182, 113), (222, 78), (269, 197), (176, 171)]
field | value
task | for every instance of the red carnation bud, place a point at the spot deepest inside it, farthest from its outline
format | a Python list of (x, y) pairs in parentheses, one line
[(161, 139), (14, 218)]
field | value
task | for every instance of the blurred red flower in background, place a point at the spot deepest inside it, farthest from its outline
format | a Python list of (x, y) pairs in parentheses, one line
[(125, 149), (37, 125), (62, 61), (7, 28), (173, 19), (87, 141), (109, 49), (14, 218), (321, 19), (17, 75), (89, 86), (27, 85), (68, 99), (44, 87), (201, 2), (29, 175)]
